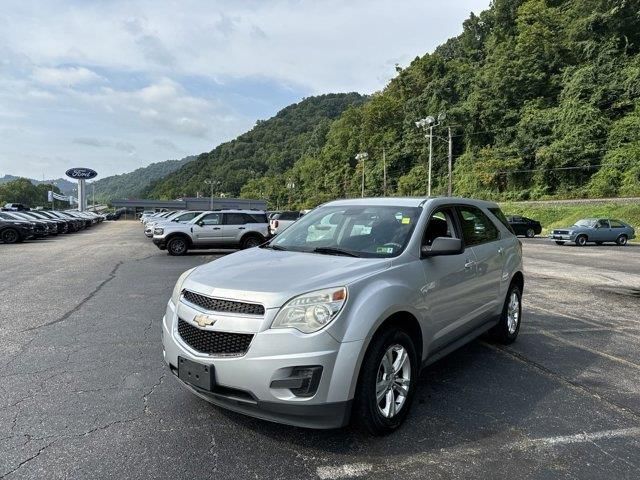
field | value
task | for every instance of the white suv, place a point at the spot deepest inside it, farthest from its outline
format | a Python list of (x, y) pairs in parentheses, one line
[(214, 229)]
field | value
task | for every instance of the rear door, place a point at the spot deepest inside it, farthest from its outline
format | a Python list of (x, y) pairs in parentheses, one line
[(483, 236), (208, 229), (234, 226)]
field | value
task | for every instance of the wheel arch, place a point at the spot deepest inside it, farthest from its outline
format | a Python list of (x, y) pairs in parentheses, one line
[(173, 235)]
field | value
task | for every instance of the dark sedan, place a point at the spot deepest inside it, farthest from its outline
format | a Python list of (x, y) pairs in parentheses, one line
[(14, 231), (524, 226)]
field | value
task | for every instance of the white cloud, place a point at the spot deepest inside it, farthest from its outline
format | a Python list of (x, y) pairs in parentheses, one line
[(65, 76), (95, 82)]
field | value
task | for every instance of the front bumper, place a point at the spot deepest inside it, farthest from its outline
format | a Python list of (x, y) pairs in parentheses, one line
[(562, 237), (161, 243), (244, 383)]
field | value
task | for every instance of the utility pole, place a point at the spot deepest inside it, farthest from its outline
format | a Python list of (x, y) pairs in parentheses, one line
[(450, 190), (212, 183), (430, 158), (93, 194), (384, 172), (362, 156)]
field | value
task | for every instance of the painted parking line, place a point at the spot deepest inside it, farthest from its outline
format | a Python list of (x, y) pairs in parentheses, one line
[(360, 470)]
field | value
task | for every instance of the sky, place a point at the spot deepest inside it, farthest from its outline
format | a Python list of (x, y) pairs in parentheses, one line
[(114, 85)]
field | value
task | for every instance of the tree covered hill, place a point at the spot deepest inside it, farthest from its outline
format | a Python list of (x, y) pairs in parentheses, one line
[(543, 97), (270, 148), (133, 184)]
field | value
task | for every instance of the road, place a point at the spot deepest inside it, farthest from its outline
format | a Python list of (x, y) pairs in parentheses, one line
[(84, 393)]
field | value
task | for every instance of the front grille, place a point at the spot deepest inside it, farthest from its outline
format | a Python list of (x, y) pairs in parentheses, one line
[(219, 305), (562, 232), (214, 343)]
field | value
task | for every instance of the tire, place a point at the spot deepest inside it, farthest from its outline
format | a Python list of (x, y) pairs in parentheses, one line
[(177, 246), (581, 240), (559, 242), (9, 235), (380, 376), (250, 241), (530, 233), (622, 240), (506, 331)]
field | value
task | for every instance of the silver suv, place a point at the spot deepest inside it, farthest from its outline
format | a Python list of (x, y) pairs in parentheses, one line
[(367, 292), (213, 229)]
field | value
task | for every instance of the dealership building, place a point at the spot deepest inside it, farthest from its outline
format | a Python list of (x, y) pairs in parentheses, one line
[(135, 207)]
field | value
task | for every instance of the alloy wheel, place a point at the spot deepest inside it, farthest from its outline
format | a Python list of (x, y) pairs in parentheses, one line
[(513, 313), (393, 381), (10, 236)]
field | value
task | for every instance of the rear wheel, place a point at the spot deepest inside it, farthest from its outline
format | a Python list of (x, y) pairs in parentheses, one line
[(250, 241), (10, 235), (530, 233), (177, 246), (387, 382), (506, 331), (558, 242), (581, 240), (622, 240)]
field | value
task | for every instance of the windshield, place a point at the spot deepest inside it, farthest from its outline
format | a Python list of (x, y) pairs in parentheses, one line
[(587, 222), (360, 231)]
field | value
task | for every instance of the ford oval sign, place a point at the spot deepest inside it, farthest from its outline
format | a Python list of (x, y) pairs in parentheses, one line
[(81, 173)]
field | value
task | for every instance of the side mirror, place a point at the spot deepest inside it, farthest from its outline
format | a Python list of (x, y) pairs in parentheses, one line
[(200, 223), (442, 246)]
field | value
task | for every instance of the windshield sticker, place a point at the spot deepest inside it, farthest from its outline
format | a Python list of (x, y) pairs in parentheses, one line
[(384, 249), (406, 220)]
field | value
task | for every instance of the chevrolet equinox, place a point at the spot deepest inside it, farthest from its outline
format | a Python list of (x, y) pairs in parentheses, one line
[(334, 318)]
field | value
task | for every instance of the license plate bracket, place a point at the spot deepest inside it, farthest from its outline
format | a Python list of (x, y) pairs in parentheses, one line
[(196, 374)]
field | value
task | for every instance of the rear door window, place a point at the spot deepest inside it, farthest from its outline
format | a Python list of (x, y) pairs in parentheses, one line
[(477, 228), (617, 224), (500, 216)]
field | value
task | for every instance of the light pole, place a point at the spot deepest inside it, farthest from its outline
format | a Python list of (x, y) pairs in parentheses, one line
[(290, 186), (430, 123), (362, 156), (212, 183)]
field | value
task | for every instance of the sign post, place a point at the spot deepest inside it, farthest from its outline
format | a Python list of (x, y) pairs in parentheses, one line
[(81, 174)]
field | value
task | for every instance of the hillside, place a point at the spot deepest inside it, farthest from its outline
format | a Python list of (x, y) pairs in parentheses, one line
[(543, 98), (270, 148), (133, 184), (64, 185)]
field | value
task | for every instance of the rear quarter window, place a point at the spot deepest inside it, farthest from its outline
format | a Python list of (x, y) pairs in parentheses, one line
[(500, 216)]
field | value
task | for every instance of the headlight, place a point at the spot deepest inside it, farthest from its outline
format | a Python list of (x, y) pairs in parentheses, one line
[(312, 311), (158, 231), (175, 296)]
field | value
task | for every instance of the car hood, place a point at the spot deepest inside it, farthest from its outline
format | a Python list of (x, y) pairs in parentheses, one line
[(272, 277)]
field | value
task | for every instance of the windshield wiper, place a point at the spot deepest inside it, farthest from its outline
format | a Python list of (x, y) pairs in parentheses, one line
[(334, 251), (273, 247)]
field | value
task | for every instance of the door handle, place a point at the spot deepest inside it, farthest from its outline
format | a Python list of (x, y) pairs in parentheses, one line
[(216, 228), (468, 264), (241, 228)]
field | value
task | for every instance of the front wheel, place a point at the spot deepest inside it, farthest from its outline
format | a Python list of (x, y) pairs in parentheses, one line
[(177, 246), (581, 241), (506, 331), (530, 233), (10, 236), (622, 240), (387, 382)]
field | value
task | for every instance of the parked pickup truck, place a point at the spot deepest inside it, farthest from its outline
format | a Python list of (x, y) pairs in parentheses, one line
[(214, 229)]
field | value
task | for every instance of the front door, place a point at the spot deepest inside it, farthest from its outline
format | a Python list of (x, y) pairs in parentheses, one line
[(208, 229), (602, 232), (450, 280)]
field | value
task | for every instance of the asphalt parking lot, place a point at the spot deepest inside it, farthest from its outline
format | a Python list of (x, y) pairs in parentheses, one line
[(84, 394)]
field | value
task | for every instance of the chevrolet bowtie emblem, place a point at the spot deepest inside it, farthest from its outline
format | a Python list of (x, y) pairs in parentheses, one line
[(204, 320)]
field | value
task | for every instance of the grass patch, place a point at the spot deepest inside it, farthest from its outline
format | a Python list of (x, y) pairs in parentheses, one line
[(564, 215)]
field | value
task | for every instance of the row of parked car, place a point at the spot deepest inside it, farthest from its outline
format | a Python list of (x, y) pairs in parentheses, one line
[(586, 230), (24, 224)]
